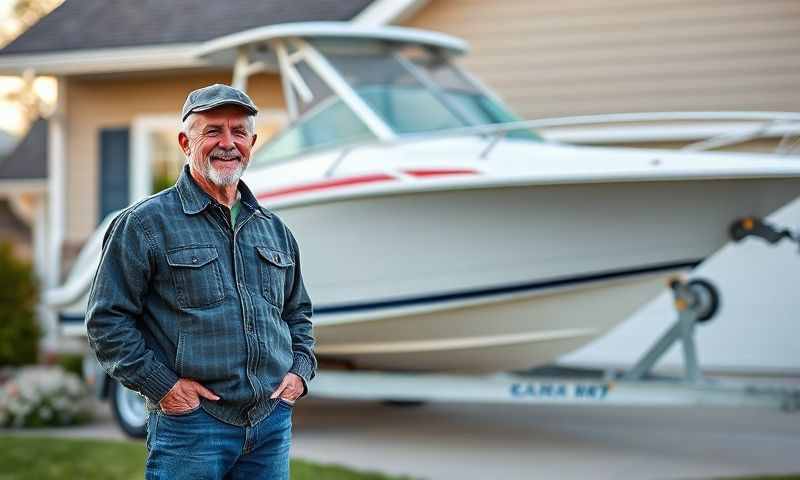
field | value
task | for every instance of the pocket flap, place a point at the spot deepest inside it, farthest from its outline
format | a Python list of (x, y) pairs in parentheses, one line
[(275, 257), (191, 256)]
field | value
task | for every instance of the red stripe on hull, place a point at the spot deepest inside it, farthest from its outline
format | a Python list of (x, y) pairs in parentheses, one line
[(326, 184), (434, 172), (378, 177)]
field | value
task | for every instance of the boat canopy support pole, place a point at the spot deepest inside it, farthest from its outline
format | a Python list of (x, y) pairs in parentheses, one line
[(244, 68), (696, 302)]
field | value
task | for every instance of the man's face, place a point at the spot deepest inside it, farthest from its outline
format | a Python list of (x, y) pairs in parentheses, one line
[(218, 144)]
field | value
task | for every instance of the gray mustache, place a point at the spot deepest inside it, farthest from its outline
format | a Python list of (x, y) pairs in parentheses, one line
[(224, 155)]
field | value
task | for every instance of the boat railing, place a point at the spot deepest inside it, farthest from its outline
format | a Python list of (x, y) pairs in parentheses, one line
[(706, 130)]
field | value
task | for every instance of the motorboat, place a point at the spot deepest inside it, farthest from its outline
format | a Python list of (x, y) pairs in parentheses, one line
[(440, 233)]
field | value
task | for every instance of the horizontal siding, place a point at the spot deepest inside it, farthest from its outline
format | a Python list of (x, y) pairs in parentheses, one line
[(575, 57)]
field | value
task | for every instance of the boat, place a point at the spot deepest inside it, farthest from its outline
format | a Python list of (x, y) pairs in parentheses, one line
[(438, 232)]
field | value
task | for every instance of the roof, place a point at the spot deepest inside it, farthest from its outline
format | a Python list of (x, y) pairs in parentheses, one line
[(7, 142), (100, 24), (28, 161), (332, 29)]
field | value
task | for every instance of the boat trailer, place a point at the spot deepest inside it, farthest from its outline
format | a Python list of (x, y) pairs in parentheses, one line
[(696, 302)]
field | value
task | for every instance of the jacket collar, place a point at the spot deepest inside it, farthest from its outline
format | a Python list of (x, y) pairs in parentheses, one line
[(194, 199)]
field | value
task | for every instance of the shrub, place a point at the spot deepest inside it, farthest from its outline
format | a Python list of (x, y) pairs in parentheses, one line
[(71, 362), (43, 396), (19, 330)]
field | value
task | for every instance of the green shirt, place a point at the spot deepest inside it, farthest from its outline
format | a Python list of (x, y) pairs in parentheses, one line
[(235, 212)]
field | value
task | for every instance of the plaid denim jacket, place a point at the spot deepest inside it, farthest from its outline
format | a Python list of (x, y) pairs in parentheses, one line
[(181, 294)]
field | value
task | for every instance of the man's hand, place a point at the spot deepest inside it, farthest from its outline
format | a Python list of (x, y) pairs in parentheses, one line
[(184, 396), (290, 388)]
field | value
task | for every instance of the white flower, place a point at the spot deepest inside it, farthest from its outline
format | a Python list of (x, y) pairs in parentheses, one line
[(57, 395)]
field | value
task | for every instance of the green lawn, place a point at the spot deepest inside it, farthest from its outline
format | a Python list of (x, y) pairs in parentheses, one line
[(25, 457)]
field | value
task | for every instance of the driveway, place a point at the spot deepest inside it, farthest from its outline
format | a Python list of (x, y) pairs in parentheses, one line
[(493, 441), (439, 441)]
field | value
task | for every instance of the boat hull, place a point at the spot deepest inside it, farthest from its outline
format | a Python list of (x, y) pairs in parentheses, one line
[(503, 278)]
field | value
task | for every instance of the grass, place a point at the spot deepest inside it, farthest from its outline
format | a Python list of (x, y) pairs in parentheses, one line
[(57, 458)]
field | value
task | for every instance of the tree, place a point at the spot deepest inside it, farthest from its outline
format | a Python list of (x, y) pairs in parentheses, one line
[(25, 13)]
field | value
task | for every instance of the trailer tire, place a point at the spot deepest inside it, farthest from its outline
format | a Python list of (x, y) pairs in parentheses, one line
[(706, 290), (128, 409)]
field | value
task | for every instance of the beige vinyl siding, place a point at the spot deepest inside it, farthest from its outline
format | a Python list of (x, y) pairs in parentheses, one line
[(97, 103), (575, 57)]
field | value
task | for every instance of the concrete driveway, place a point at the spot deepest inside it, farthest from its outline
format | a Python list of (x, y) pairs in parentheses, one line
[(439, 441), (491, 441)]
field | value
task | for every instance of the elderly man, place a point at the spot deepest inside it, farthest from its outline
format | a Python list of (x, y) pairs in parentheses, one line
[(198, 304)]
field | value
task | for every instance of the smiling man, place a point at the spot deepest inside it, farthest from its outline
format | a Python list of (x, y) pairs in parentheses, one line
[(199, 305)]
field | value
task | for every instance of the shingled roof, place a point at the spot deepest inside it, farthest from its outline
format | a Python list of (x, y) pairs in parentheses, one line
[(93, 24), (28, 161)]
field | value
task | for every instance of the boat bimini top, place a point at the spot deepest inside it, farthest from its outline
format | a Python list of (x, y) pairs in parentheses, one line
[(346, 83)]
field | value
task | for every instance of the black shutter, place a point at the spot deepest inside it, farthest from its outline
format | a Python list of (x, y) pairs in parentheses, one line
[(114, 164)]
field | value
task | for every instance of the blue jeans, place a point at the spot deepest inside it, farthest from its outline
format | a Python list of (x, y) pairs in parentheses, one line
[(197, 446)]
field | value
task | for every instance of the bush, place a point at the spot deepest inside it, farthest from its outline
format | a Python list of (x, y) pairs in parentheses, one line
[(71, 362), (19, 330), (43, 396)]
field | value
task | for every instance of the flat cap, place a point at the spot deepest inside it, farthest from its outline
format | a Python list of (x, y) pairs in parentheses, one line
[(214, 96)]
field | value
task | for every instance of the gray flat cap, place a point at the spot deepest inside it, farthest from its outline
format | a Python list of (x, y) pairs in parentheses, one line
[(214, 96)]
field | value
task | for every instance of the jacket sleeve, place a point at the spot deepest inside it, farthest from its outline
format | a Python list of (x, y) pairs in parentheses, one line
[(297, 312), (116, 301)]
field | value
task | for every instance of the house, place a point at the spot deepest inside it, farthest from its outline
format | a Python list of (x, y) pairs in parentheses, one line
[(123, 69)]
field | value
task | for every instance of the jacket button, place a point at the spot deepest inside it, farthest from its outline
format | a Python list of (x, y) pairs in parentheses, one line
[(277, 258), (194, 259)]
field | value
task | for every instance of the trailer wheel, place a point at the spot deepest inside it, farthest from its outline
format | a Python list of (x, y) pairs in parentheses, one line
[(128, 409), (709, 297)]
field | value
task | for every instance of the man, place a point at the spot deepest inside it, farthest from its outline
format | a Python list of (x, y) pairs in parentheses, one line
[(198, 304)]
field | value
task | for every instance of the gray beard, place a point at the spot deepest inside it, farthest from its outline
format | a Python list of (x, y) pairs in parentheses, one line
[(217, 178), (223, 180)]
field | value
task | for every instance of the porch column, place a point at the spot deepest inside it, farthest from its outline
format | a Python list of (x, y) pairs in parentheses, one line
[(48, 320), (56, 208)]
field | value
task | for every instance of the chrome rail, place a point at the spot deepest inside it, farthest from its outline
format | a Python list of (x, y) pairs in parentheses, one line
[(785, 125)]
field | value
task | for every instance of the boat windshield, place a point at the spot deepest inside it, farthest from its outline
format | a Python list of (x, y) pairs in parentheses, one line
[(411, 89)]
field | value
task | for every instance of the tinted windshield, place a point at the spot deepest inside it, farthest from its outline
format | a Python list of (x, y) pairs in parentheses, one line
[(411, 89)]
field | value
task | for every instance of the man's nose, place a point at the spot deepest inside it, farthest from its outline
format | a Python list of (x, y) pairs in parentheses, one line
[(226, 140)]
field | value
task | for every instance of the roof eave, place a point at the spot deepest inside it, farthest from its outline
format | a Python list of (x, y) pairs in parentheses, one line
[(104, 60), (19, 186)]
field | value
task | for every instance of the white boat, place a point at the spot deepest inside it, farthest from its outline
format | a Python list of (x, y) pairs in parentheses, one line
[(439, 233)]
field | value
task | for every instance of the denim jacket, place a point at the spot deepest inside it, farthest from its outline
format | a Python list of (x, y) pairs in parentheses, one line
[(179, 293)]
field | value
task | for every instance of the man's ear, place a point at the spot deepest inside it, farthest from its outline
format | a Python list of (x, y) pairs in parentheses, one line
[(183, 141), (253, 143)]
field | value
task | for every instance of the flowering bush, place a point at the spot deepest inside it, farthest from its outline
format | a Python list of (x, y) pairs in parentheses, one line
[(43, 396)]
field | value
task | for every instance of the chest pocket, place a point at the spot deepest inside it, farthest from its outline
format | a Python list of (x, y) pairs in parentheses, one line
[(196, 274), (274, 268)]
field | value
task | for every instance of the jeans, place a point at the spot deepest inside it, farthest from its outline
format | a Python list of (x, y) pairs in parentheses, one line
[(197, 446)]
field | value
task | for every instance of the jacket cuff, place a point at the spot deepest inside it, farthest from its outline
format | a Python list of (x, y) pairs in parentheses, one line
[(303, 368), (158, 383)]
